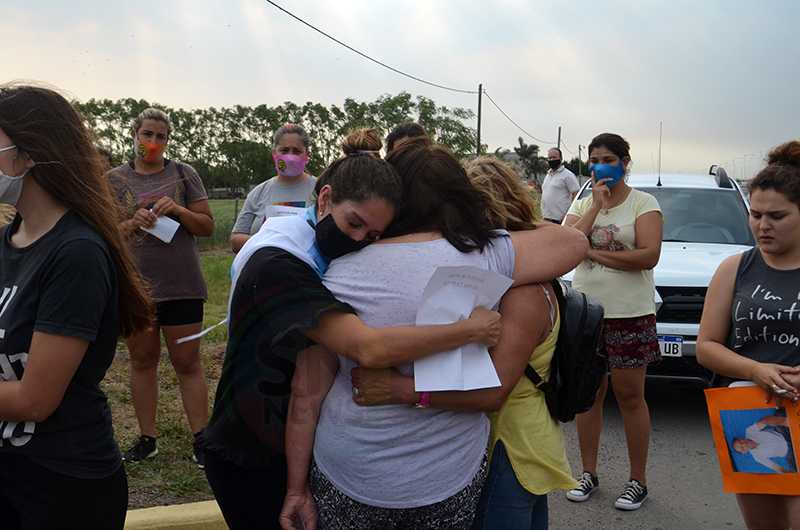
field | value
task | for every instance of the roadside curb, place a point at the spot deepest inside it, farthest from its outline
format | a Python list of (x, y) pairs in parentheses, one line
[(191, 516)]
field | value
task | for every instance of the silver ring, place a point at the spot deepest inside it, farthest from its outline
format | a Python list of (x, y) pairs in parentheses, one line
[(355, 391), (774, 386)]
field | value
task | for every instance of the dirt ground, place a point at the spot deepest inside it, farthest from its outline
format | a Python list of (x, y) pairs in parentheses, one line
[(148, 485)]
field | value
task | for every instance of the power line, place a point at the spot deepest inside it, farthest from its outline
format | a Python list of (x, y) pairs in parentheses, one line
[(512, 121), (368, 57), (565, 148), (405, 74)]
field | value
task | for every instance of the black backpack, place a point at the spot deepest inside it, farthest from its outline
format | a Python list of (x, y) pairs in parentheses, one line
[(577, 370)]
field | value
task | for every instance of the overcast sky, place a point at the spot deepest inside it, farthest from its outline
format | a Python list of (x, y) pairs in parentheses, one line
[(722, 75)]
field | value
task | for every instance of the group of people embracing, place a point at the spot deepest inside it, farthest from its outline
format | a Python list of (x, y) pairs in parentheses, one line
[(315, 414), (316, 421)]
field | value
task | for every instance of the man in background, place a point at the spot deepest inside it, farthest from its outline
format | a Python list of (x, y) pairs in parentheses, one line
[(559, 188)]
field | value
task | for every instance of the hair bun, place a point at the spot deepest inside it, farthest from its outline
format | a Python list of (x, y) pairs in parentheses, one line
[(365, 140), (785, 154)]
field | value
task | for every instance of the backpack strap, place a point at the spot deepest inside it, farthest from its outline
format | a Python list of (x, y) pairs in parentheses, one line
[(537, 380), (179, 167), (552, 309)]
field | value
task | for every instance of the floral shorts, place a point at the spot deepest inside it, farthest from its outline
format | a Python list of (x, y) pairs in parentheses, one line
[(630, 342)]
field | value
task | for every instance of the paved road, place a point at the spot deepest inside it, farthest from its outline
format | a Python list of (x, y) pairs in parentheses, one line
[(683, 477)]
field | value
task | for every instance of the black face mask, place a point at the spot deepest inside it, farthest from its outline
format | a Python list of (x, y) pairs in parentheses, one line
[(553, 163), (332, 242)]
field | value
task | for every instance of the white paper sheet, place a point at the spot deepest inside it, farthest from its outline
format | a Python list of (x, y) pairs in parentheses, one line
[(277, 210), (450, 296), (164, 229)]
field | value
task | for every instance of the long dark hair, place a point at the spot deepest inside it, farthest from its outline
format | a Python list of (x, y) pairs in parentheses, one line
[(44, 125), (437, 195)]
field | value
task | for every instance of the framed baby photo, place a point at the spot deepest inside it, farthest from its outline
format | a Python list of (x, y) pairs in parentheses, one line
[(756, 442)]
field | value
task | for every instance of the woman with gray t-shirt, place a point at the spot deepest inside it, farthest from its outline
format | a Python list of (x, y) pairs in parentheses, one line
[(286, 194)]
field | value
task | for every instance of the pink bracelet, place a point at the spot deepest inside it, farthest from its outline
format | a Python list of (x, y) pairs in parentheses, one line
[(423, 401)]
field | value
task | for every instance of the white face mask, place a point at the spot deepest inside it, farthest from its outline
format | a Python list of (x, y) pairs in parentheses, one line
[(10, 187)]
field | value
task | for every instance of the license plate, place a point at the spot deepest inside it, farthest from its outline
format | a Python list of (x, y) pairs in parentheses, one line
[(671, 346)]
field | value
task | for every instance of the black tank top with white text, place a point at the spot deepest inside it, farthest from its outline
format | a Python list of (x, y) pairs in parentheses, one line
[(766, 312)]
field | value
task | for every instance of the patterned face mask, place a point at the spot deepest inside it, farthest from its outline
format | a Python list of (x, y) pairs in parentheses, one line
[(150, 152), (290, 165)]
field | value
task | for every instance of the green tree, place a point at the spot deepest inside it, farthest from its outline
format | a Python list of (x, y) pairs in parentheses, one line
[(528, 157), (231, 147), (576, 166), (446, 126)]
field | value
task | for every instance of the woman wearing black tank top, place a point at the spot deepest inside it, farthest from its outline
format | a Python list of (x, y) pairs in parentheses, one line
[(760, 284)]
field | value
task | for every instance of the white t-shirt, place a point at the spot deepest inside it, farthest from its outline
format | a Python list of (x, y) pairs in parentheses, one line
[(624, 294), (771, 444), (398, 456), (558, 188)]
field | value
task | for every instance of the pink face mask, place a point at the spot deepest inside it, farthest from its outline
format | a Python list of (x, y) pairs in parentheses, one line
[(290, 165)]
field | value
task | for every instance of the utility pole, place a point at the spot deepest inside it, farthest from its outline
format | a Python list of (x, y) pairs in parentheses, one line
[(559, 138), (480, 90), (580, 171)]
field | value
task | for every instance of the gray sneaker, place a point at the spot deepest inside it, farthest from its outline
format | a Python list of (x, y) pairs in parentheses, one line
[(588, 485)]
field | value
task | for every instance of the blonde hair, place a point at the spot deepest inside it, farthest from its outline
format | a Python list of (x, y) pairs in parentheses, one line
[(507, 204), (152, 114)]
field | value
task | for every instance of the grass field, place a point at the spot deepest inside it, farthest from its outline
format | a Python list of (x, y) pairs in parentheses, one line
[(225, 212)]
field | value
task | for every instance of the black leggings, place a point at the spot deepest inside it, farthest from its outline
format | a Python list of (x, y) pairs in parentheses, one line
[(248, 498), (33, 497)]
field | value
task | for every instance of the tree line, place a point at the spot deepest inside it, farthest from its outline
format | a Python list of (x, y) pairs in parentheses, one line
[(232, 147)]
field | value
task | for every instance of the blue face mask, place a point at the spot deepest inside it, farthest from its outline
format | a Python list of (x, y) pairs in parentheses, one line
[(605, 171)]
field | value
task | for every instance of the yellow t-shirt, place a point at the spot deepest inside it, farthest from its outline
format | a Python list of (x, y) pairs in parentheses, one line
[(533, 439), (624, 294)]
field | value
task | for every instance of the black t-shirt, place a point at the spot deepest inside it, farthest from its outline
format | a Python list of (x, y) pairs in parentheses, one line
[(64, 284), (276, 295)]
